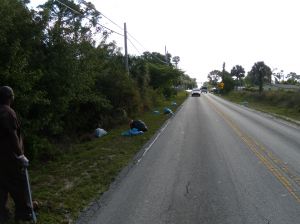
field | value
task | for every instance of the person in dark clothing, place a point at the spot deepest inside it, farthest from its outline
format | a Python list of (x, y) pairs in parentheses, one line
[(12, 161), (138, 124)]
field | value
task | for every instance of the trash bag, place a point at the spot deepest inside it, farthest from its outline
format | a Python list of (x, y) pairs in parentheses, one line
[(132, 132), (139, 125), (168, 111), (174, 104), (99, 132), (156, 112)]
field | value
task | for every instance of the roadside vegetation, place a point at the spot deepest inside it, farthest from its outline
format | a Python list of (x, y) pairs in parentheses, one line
[(68, 80), (281, 103), (67, 185), (263, 88)]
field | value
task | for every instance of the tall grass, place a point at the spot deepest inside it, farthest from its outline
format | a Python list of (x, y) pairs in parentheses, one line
[(285, 103)]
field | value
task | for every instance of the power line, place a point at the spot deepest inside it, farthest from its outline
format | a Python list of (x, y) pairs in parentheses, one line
[(88, 5), (147, 50), (157, 58), (93, 7), (134, 46), (88, 18), (137, 41)]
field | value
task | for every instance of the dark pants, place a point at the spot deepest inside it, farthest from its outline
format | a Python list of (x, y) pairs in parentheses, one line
[(13, 181)]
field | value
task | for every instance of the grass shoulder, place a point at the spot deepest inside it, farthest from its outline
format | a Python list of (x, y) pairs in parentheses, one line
[(285, 105), (66, 186)]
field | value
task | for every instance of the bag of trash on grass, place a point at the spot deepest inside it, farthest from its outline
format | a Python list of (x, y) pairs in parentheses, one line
[(168, 111), (99, 132), (138, 124), (132, 132)]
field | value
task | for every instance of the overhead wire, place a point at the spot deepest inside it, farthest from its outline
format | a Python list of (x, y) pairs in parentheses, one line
[(88, 18), (136, 41), (88, 5), (134, 46), (93, 7)]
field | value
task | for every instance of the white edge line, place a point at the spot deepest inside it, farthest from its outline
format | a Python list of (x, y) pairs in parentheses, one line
[(147, 149)]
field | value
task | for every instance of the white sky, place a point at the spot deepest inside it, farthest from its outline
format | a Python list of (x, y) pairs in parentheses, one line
[(206, 33)]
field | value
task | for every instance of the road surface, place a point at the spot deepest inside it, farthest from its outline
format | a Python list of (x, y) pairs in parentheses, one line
[(213, 162)]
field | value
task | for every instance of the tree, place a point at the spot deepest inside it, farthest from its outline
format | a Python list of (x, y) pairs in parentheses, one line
[(157, 58), (139, 72), (293, 78), (223, 67), (260, 74), (186, 82), (238, 71), (20, 53), (164, 78), (228, 83), (176, 60), (213, 77), (278, 76), (65, 81)]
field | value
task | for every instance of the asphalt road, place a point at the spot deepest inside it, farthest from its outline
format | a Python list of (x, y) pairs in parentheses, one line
[(214, 162)]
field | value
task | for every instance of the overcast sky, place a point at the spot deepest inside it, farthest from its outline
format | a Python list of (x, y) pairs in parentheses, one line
[(206, 33)]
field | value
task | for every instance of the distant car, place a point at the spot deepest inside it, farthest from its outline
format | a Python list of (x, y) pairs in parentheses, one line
[(203, 89), (196, 92)]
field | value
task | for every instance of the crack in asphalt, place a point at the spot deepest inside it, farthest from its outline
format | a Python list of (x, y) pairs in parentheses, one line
[(187, 188)]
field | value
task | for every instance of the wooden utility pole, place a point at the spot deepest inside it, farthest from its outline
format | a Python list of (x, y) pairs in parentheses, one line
[(126, 53), (166, 57)]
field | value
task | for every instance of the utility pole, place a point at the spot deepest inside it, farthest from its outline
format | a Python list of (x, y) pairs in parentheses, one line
[(125, 43), (166, 57)]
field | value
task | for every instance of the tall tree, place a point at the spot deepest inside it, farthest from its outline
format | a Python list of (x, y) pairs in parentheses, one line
[(238, 71), (157, 58), (260, 74), (164, 78), (293, 78), (228, 83), (214, 76), (176, 60)]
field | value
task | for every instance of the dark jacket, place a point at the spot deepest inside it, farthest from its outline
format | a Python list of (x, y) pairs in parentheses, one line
[(138, 124), (11, 144)]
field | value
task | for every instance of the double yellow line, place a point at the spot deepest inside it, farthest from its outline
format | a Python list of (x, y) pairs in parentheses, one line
[(281, 171)]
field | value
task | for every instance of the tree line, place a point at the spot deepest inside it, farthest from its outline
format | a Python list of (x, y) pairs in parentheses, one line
[(259, 75), (68, 78)]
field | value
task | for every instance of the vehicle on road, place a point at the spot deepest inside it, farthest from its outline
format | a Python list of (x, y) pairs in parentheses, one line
[(196, 92), (204, 89)]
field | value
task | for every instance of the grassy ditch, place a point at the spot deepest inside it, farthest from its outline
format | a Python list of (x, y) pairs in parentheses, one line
[(66, 186), (281, 103)]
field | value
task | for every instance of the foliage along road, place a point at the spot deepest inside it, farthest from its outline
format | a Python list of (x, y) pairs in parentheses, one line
[(213, 162)]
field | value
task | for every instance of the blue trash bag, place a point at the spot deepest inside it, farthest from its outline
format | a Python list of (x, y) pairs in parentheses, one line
[(167, 111), (132, 132)]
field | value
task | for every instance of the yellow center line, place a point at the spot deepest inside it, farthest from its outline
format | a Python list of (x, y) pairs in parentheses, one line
[(259, 152)]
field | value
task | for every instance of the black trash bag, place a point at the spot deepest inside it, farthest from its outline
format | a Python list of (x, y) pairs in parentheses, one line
[(138, 124)]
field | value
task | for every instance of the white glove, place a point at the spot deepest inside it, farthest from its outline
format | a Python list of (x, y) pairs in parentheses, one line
[(23, 160)]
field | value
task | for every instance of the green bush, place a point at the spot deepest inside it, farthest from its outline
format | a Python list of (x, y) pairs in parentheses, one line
[(39, 148), (66, 82)]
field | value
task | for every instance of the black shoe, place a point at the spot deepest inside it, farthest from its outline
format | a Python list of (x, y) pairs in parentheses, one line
[(5, 216), (23, 222), (3, 219), (23, 218)]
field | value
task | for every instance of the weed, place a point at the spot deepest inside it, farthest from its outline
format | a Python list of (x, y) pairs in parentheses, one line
[(66, 185)]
